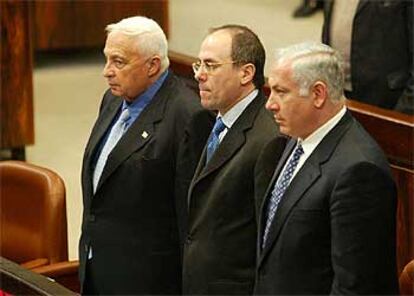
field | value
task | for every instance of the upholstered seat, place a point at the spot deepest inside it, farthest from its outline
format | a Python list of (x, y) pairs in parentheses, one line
[(407, 279), (33, 229)]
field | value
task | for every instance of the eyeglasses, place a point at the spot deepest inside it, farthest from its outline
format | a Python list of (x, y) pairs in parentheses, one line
[(209, 67)]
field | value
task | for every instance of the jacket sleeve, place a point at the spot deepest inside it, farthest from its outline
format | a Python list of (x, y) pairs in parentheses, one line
[(363, 207)]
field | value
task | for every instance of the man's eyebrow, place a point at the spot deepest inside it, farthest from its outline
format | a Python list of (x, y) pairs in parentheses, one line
[(114, 55), (277, 87), (117, 56), (208, 60)]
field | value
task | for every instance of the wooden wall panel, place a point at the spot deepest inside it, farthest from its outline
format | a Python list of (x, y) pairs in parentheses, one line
[(405, 216), (16, 97), (69, 24)]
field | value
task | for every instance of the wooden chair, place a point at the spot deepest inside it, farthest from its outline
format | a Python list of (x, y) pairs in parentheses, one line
[(33, 225), (407, 279), (33, 215)]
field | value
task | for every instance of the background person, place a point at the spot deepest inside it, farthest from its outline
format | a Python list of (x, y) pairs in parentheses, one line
[(375, 39)]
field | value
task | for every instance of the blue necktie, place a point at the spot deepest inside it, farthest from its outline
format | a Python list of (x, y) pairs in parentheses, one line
[(116, 133), (280, 187), (214, 140)]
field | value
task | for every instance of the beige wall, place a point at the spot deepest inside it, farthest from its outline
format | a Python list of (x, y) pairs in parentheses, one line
[(270, 19)]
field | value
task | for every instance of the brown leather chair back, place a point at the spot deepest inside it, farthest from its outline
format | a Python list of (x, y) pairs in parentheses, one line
[(407, 279), (33, 230)]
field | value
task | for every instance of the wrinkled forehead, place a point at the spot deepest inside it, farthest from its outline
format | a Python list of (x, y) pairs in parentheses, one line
[(216, 46), (121, 43)]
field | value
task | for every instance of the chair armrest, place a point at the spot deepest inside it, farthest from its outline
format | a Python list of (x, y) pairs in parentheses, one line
[(58, 269), (35, 263), (407, 279), (64, 273)]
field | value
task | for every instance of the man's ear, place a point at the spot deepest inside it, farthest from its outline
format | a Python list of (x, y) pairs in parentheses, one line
[(154, 66), (319, 92), (247, 73)]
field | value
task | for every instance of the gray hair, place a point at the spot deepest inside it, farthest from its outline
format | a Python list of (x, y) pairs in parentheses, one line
[(312, 62), (148, 34)]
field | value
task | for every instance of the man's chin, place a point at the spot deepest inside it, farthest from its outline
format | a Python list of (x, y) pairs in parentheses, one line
[(206, 103), (116, 92)]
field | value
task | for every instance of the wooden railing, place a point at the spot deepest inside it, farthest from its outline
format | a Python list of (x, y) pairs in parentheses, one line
[(393, 131)]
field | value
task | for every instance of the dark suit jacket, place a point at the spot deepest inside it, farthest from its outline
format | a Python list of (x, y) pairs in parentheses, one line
[(381, 53), (334, 230), (134, 220), (219, 255)]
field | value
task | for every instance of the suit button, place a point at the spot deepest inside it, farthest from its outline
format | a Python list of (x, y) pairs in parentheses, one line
[(91, 218), (189, 240)]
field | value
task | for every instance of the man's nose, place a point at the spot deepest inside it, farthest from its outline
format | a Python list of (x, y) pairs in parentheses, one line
[(107, 71), (272, 104), (200, 75)]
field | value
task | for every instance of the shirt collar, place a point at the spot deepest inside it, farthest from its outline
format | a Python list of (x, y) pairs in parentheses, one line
[(312, 141), (231, 116), (142, 100)]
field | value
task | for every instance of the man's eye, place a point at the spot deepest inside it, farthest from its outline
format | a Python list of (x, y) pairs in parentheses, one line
[(119, 64), (209, 66)]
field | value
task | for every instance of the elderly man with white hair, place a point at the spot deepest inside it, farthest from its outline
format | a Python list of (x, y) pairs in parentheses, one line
[(327, 220), (137, 167)]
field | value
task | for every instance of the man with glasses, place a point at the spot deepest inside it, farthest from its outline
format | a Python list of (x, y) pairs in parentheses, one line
[(220, 250), (137, 167)]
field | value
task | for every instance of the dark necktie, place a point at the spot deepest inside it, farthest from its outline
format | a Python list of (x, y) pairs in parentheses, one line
[(214, 140), (279, 189)]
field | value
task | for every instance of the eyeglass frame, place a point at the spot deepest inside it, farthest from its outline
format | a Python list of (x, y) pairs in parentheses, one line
[(213, 66)]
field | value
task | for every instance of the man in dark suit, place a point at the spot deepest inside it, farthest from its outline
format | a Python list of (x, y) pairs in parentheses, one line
[(327, 222), (376, 40), (137, 167), (219, 254), (307, 8)]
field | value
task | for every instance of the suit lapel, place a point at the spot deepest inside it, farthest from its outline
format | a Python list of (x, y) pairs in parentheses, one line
[(102, 125), (263, 209), (269, 158), (234, 139), (98, 132), (134, 139), (308, 174), (140, 132), (199, 169), (304, 179)]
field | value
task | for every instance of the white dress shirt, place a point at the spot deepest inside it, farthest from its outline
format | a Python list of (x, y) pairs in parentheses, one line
[(231, 116)]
